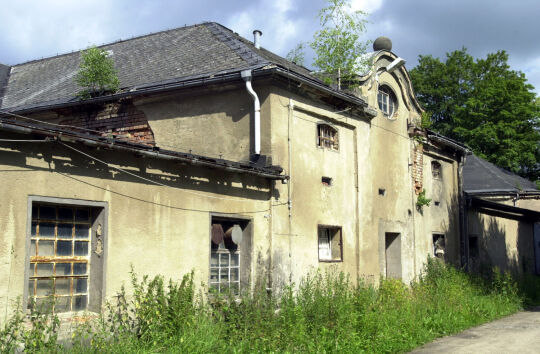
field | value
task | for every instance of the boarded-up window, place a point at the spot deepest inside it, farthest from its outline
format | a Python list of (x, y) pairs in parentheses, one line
[(60, 257), (330, 243), (327, 137)]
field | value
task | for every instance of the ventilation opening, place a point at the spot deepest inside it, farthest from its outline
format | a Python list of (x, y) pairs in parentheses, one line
[(382, 191), (326, 181)]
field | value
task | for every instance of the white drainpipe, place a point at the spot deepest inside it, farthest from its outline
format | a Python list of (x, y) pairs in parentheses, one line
[(246, 75)]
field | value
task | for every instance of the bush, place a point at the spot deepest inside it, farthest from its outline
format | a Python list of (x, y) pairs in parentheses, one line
[(326, 313)]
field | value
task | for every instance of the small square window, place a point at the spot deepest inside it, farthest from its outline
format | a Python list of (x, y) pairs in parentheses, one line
[(330, 244), (327, 137), (326, 181), (439, 245)]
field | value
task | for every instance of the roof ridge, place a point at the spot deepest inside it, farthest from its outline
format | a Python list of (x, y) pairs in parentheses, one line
[(108, 44), (235, 44)]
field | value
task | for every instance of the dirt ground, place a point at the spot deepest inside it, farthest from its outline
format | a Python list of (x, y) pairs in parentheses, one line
[(518, 333)]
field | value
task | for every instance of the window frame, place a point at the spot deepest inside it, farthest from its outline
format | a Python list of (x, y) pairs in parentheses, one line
[(96, 297), (390, 101), (320, 140), (244, 250), (331, 259)]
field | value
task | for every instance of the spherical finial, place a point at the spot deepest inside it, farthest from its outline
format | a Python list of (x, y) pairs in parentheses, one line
[(382, 43)]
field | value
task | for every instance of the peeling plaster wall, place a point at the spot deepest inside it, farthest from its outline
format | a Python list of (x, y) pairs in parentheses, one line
[(216, 123), (400, 170), (150, 228), (295, 237)]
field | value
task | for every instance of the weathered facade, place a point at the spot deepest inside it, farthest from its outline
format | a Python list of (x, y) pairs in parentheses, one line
[(174, 173), (502, 219)]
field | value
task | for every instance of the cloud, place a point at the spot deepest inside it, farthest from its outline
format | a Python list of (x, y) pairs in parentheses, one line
[(368, 6), (281, 30)]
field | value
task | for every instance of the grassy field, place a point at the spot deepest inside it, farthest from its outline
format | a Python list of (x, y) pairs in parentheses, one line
[(326, 314)]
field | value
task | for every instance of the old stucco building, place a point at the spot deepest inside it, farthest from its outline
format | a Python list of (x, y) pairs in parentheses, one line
[(220, 157)]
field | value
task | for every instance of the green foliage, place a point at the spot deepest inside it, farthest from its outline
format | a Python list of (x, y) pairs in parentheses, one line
[(326, 312), (37, 333), (96, 75), (337, 45), (484, 104), (422, 200), (426, 122), (297, 55)]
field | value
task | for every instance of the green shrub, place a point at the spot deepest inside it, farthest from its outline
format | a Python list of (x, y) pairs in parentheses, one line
[(325, 312)]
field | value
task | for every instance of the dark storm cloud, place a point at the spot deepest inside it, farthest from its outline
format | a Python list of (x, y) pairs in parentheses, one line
[(32, 29), (437, 27)]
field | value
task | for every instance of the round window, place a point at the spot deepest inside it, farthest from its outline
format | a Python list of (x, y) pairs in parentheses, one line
[(387, 101)]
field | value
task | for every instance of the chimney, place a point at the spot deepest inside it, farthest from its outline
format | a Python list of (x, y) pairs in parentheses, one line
[(256, 39)]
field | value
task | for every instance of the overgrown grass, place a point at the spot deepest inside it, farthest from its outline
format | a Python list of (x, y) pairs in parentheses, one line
[(326, 313)]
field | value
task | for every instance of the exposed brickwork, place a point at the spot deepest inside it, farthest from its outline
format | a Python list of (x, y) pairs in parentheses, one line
[(417, 168), (121, 119)]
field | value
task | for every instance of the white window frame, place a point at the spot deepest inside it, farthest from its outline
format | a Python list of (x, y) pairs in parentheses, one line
[(329, 238), (387, 102)]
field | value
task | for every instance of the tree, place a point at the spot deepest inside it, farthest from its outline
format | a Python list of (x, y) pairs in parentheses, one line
[(96, 75), (297, 54), (337, 45), (484, 104)]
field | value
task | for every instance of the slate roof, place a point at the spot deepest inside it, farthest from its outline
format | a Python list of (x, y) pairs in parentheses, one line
[(480, 176), (202, 50)]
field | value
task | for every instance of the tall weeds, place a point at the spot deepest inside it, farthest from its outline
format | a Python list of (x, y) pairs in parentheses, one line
[(326, 312)]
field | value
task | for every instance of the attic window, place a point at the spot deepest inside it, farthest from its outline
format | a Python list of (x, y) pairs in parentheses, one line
[(327, 137), (436, 170), (387, 101)]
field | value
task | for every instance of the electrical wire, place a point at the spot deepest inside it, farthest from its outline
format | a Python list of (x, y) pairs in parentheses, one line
[(26, 141), (165, 205), (44, 122), (146, 179)]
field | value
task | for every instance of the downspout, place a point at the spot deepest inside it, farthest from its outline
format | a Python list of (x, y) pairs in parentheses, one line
[(463, 217), (246, 75)]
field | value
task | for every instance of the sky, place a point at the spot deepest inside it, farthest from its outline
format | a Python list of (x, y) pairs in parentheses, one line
[(32, 29)]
